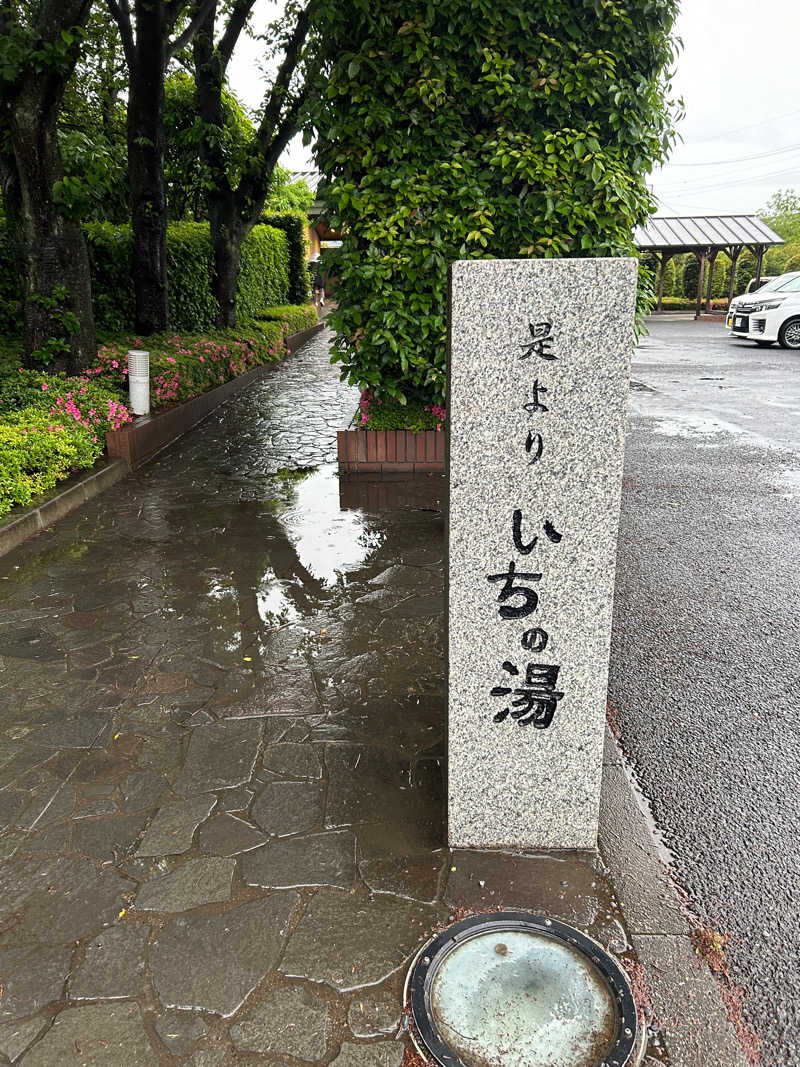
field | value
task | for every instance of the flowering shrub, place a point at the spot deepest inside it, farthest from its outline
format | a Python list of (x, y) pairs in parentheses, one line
[(388, 414), (184, 366), (91, 404), (37, 451)]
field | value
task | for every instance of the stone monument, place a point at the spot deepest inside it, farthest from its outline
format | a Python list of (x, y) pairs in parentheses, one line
[(539, 374)]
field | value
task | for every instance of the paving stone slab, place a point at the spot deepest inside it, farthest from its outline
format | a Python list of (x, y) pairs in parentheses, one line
[(291, 1021), (207, 1057), (143, 790), (326, 859), (97, 1035), (66, 896), (292, 760), (283, 808), (213, 962), (108, 838), (374, 1013), (113, 964), (373, 938), (225, 835), (380, 1054), (220, 756), (16, 1037), (31, 977), (172, 830), (416, 877), (179, 1030), (196, 882)]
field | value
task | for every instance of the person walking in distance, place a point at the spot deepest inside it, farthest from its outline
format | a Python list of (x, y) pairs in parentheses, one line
[(319, 283)]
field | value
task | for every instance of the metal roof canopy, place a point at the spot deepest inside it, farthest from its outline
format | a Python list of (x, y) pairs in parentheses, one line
[(705, 236)]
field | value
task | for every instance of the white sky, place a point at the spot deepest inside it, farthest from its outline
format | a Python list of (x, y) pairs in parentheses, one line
[(739, 76)]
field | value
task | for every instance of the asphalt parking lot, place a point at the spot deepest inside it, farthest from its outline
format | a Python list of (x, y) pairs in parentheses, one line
[(705, 661)]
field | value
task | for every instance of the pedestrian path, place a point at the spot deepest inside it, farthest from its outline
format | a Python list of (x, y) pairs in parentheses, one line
[(221, 758)]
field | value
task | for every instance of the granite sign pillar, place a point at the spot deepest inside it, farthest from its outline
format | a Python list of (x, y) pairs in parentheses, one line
[(539, 373)]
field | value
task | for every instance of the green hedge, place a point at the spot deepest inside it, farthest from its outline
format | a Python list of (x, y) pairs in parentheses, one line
[(264, 278), (296, 317), (295, 226)]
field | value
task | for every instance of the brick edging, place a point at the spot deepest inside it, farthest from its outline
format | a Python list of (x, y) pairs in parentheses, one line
[(72, 494), (391, 451)]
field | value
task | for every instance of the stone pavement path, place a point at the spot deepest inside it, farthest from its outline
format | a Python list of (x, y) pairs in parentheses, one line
[(221, 741)]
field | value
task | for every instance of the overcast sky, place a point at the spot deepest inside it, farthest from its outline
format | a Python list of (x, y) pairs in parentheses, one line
[(739, 75)]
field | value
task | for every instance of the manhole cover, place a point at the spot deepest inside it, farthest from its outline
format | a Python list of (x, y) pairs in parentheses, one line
[(518, 990)]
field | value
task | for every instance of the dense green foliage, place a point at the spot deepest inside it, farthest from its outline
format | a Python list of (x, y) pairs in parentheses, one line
[(37, 451), (473, 128), (295, 225), (263, 282), (296, 317)]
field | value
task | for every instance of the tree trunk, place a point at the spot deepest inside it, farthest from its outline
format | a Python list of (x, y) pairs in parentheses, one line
[(146, 170), (50, 250), (227, 235)]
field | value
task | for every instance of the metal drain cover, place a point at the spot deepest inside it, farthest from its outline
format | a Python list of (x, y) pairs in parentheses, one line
[(519, 990)]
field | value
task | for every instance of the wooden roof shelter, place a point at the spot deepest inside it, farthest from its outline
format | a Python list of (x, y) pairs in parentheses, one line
[(705, 236)]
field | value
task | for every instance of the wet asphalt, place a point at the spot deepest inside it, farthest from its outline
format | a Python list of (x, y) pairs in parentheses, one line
[(705, 659)]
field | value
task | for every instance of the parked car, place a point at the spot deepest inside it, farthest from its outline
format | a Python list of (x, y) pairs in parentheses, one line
[(771, 314)]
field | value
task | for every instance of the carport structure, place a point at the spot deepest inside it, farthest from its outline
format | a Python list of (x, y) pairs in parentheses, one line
[(705, 236)]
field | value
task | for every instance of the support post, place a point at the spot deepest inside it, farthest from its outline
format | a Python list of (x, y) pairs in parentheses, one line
[(733, 255), (711, 261), (759, 264), (701, 258), (664, 260)]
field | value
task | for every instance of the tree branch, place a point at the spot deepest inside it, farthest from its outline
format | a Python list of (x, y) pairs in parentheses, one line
[(202, 8), (278, 93), (236, 23), (122, 15)]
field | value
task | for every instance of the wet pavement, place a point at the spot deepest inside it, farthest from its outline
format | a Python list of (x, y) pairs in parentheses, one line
[(705, 661), (221, 758)]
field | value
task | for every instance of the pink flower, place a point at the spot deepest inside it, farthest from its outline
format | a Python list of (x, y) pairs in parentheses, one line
[(44, 386)]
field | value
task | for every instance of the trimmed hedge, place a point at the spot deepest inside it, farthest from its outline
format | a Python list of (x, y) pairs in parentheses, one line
[(263, 281), (296, 318), (295, 226)]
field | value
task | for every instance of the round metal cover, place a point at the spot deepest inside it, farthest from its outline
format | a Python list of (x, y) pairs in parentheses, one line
[(519, 990)]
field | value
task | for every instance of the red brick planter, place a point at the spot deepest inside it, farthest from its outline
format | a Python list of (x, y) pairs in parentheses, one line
[(391, 451), (139, 441)]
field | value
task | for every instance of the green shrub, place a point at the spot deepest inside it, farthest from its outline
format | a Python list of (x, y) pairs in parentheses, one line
[(792, 264), (264, 278), (455, 131), (388, 414), (37, 451), (691, 275), (295, 317), (183, 366), (295, 226)]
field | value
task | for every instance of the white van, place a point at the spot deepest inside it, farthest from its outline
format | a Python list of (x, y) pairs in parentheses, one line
[(770, 314)]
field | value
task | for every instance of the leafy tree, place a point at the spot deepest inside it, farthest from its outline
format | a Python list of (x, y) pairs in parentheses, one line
[(39, 48), (153, 32), (782, 213), (234, 207), (461, 129), (188, 177), (91, 127), (285, 196)]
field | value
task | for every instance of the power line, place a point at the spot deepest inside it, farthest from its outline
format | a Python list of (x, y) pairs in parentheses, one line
[(751, 125), (750, 179), (741, 159)]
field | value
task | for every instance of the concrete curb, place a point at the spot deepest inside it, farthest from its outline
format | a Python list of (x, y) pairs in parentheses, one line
[(688, 1007), (60, 502)]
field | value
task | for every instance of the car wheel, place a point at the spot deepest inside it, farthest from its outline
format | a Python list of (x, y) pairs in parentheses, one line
[(764, 344), (789, 334)]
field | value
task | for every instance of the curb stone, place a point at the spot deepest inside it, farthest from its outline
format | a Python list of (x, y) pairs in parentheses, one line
[(687, 1001)]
